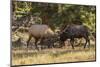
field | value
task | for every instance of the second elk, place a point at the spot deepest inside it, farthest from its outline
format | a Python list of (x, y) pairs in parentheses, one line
[(75, 31)]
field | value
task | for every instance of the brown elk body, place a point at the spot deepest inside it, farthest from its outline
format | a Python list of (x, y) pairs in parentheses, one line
[(39, 31)]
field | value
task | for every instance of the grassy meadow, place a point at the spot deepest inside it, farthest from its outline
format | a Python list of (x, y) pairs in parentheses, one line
[(27, 56)]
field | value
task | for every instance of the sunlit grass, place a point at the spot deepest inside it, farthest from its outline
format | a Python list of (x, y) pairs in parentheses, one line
[(56, 55)]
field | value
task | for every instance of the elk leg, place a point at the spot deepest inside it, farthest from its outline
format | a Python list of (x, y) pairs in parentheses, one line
[(88, 43), (42, 42), (36, 40), (72, 42), (53, 46), (85, 42), (29, 40)]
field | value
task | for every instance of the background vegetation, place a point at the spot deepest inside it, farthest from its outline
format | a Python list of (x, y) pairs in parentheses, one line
[(54, 15)]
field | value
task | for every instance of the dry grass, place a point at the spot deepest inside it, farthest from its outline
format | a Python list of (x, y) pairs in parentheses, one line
[(56, 55)]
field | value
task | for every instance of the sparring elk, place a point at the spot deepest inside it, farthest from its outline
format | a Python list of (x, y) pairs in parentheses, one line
[(74, 31), (39, 32)]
